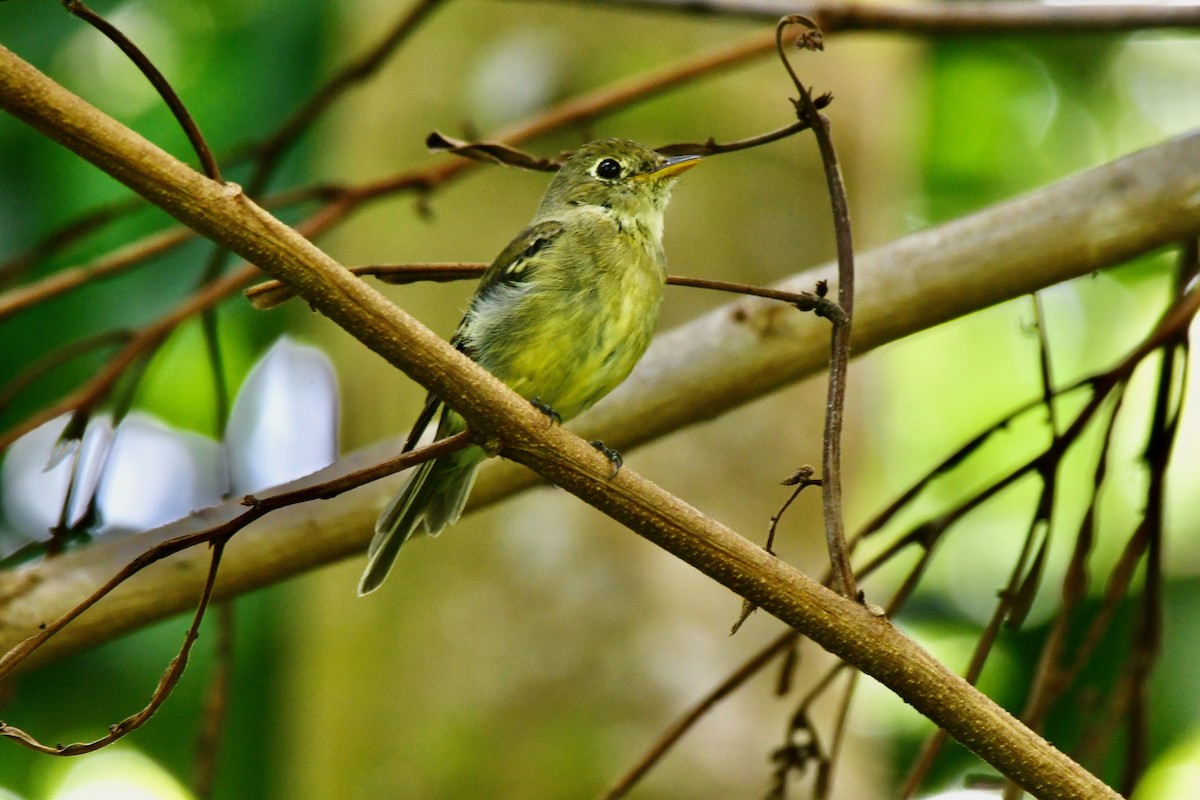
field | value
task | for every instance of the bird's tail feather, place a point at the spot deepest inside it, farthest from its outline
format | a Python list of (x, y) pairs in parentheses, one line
[(393, 528), (436, 493), (447, 501)]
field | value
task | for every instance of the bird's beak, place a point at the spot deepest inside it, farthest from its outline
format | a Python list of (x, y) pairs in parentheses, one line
[(673, 166)]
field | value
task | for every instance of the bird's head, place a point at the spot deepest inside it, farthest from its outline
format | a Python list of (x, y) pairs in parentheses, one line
[(624, 177)]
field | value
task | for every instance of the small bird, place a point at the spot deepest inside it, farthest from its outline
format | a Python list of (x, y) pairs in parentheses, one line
[(561, 316)]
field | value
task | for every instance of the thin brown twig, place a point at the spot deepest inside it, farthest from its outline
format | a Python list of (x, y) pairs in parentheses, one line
[(157, 80), (1049, 680), (824, 785), (162, 691), (802, 478), (501, 153), (803, 301), (1160, 444), (711, 147), (57, 358), (65, 280), (1045, 371), (216, 706), (66, 235), (945, 18), (268, 152), (272, 293), (491, 153), (1021, 595), (831, 451)]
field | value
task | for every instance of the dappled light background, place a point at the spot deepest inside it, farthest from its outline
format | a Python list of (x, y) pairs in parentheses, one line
[(537, 648)]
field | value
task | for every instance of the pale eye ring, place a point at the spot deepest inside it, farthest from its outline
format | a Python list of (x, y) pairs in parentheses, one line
[(608, 169)]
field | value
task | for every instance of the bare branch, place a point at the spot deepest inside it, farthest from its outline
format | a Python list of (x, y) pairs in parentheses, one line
[(946, 19)]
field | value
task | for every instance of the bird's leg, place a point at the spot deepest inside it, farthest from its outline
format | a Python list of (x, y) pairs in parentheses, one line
[(547, 410), (613, 456)]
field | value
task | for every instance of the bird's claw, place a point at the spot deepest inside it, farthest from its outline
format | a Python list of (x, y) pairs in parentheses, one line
[(613, 456), (547, 410)]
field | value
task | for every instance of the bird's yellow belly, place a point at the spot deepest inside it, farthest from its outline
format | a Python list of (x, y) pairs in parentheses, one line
[(569, 361)]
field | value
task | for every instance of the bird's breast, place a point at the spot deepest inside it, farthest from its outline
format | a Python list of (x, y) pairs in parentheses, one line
[(572, 339)]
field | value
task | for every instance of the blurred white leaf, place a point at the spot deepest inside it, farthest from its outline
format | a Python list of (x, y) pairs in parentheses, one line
[(156, 475), (284, 423), (143, 475), (282, 427), (33, 484)]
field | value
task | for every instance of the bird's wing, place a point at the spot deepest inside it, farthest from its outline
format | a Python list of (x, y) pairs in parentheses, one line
[(515, 264), (432, 405)]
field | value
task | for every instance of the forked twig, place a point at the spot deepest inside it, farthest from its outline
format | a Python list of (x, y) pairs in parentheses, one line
[(831, 451)]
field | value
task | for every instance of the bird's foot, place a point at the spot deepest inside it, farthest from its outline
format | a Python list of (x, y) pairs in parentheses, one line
[(613, 456), (547, 410)]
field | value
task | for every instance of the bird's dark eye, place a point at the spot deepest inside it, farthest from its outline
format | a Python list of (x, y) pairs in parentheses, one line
[(608, 169)]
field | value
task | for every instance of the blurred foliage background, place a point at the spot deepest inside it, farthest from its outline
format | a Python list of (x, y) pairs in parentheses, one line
[(538, 648)]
